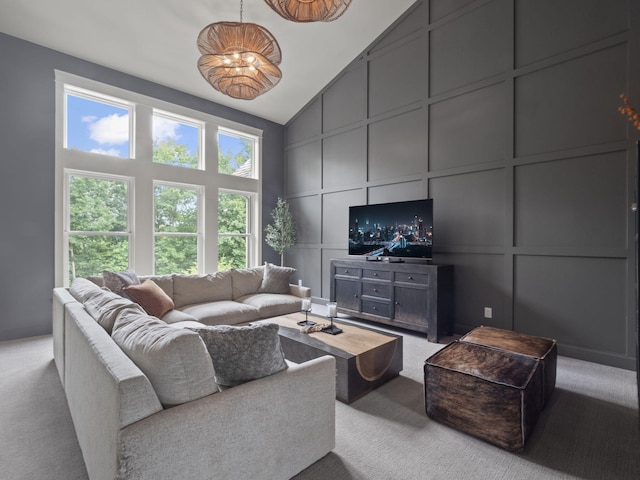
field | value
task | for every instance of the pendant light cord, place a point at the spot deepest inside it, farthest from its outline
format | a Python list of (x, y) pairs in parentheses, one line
[(240, 11)]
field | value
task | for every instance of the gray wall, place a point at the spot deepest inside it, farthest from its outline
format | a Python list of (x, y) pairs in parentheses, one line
[(505, 113), (27, 163)]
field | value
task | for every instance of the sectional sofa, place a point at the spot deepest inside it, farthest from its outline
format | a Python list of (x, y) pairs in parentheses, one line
[(144, 391)]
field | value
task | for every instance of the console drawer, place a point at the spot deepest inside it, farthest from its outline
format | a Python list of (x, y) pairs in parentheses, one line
[(376, 308), (376, 274), (348, 272), (414, 278), (376, 289)]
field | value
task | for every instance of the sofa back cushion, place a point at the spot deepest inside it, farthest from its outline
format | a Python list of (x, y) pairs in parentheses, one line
[(175, 360), (246, 281), (191, 289), (165, 282), (82, 289), (105, 307)]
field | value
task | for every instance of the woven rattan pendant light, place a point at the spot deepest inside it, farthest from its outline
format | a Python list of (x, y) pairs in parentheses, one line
[(309, 10), (239, 59)]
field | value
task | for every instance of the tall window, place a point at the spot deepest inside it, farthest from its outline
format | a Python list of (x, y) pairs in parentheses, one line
[(176, 229), (98, 234), (133, 177), (234, 233)]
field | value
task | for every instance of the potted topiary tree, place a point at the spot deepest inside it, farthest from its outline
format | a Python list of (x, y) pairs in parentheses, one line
[(281, 234)]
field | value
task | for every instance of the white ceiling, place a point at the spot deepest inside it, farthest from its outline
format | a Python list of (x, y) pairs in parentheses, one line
[(156, 40)]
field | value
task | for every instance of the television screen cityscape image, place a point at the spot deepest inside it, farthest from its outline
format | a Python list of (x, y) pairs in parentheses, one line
[(398, 229)]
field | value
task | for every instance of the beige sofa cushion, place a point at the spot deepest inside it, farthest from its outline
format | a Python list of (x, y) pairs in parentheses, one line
[(224, 312), (177, 316), (105, 307), (175, 360), (272, 304), (165, 282), (192, 289), (83, 289), (246, 280)]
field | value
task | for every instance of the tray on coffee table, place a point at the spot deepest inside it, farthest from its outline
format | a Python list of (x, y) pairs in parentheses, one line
[(365, 358)]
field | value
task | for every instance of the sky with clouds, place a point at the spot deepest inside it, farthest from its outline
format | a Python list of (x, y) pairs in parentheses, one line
[(102, 128)]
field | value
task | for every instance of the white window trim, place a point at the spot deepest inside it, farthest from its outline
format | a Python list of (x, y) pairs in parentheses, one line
[(141, 168)]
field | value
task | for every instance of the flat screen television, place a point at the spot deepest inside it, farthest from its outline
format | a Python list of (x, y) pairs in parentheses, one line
[(398, 229)]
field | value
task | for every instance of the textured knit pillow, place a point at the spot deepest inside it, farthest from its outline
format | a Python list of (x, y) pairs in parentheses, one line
[(276, 279), (150, 297), (116, 281), (242, 354)]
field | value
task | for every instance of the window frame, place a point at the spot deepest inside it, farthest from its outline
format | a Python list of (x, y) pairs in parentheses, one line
[(254, 148), (200, 221), (144, 172), (249, 235), (100, 98), (68, 233)]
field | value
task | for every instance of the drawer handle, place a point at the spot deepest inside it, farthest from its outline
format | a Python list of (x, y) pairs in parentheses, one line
[(355, 296), (375, 274), (346, 271), (375, 308), (375, 289), (410, 277), (397, 303)]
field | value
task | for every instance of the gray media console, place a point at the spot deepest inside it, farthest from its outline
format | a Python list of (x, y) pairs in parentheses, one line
[(415, 296)]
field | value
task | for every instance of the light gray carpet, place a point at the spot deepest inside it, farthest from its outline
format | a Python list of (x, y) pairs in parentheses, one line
[(588, 431)]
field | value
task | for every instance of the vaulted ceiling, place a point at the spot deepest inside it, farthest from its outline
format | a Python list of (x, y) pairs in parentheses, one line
[(156, 40)]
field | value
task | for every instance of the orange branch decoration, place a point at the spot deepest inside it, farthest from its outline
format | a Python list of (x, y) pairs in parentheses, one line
[(632, 115)]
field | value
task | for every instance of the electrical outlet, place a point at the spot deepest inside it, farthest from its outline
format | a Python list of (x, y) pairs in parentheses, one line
[(488, 312)]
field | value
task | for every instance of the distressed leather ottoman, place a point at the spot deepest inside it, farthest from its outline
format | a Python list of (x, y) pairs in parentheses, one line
[(542, 348), (489, 393)]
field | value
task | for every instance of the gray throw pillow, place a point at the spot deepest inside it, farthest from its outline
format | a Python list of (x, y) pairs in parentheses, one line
[(276, 279), (242, 354), (116, 281)]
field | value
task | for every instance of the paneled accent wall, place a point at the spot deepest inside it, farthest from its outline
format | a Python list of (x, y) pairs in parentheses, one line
[(505, 113)]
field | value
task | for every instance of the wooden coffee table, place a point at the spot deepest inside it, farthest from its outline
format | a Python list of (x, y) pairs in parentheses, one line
[(365, 358)]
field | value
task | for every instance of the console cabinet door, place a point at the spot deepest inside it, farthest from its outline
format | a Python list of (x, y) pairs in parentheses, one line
[(347, 294), (411, 306)]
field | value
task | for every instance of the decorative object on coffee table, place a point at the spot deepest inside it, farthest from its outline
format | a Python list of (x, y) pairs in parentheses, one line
[(306, 308), (332, 312)]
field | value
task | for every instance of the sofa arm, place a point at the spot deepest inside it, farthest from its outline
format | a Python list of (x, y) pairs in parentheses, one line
[(266, 429), (299, 291)]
